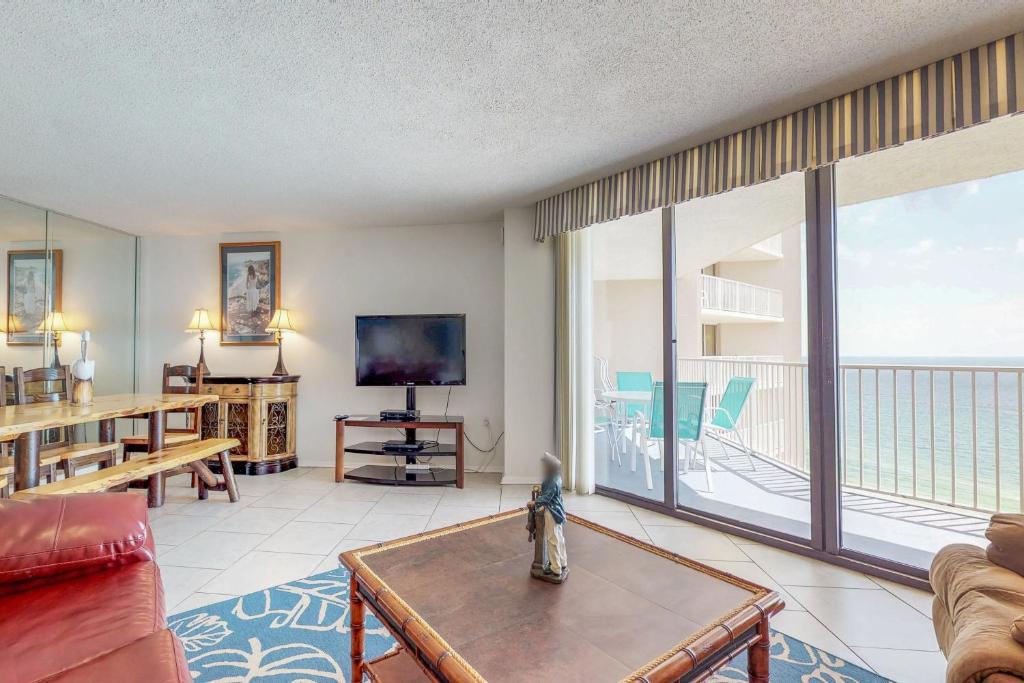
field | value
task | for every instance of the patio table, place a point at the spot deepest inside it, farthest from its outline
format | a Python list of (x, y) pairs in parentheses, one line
[(640, 396)]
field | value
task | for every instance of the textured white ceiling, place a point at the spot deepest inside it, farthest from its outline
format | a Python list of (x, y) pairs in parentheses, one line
[(185, 117)]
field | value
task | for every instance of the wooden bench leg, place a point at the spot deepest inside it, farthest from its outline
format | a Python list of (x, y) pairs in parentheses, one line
[(229, 475), (207, 480), (201, 487)]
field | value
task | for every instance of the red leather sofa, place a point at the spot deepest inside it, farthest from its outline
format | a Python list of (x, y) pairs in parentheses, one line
[(80, 593)]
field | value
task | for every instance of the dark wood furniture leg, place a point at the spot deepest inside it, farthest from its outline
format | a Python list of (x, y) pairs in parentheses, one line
[(207, 480), (106, 435), (356, 616), (339, 451), (228, 473), (758, 658), (157, 428), (460, 457), (26, 461)]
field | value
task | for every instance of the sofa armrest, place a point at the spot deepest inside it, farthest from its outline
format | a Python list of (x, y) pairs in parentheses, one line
[(50, 537)]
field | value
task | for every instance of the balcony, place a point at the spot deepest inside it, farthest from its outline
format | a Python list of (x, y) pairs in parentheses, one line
[(927, 453), (730, 301)]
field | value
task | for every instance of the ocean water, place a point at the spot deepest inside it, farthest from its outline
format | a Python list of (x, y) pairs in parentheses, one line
[(950, 429)]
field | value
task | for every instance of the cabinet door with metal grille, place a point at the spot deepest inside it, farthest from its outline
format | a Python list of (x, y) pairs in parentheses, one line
[(276, 430), (236, 425)]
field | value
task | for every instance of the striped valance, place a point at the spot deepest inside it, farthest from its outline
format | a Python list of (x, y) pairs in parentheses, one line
[(960, 91)]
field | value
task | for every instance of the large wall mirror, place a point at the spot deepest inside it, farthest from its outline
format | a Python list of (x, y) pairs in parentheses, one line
[(63, 276)]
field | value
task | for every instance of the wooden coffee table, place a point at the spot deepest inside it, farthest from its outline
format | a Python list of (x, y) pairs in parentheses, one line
[(461, 601)]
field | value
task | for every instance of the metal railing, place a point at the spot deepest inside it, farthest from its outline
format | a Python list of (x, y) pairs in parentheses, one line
[(733, 296), (945, 434)]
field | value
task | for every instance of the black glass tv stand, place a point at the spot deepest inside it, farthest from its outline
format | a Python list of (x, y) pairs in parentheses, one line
[(392, 470)]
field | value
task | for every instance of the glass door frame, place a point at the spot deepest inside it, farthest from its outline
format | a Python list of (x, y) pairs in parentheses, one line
[(825, 542)]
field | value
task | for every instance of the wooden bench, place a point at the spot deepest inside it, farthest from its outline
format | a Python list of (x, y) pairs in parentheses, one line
[(135, 444), (144, 465)]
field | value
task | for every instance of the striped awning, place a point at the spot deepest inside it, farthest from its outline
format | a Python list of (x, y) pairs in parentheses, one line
[(966, 89)]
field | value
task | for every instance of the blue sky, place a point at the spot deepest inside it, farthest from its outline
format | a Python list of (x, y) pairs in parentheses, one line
[(938, 272)]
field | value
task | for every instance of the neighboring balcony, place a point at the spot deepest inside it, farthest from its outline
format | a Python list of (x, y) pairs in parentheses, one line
[(730, 301)]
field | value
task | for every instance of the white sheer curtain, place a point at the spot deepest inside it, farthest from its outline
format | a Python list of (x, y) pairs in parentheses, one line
[(574, 364)]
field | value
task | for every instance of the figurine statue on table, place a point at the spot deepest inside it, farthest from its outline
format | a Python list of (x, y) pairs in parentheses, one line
[(545, 521), (83, 370)]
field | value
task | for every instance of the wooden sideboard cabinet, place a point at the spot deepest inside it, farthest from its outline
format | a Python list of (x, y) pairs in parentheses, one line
[(260, 412)]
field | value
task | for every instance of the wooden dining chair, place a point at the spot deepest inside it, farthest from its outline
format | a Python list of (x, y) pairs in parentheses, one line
[(177, 379), (6, 467), (49, 385), (47, 461)]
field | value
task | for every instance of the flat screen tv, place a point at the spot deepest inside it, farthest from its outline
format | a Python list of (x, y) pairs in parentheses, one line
[(410, 350)]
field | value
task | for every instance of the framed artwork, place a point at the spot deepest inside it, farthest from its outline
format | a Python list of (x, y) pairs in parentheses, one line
[(250, 290), (29, 273)]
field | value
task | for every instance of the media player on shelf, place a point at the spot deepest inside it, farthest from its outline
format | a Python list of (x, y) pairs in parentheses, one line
[(404, 446), (399, 415)]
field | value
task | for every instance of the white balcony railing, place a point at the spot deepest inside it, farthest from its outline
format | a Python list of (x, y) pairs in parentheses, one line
[(952, 435), (732, 296)]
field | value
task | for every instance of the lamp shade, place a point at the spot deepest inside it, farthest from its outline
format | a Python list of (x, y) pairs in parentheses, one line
[(13, 324), (54, 322), (200, 321), (281, 321)]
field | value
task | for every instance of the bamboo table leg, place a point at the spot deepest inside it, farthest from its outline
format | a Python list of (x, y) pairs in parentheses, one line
[(339, 451), (157, 428), (758, 658), (356, 617), (26, 461)]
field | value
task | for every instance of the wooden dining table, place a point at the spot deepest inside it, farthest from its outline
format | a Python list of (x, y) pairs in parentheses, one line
[(27, 422)]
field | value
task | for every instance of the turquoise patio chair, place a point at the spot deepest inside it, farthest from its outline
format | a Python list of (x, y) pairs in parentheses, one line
[(634, 381), (690, 398), (633, 413), (726, 415)]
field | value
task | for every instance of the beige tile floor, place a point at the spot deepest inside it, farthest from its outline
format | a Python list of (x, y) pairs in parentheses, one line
[(291, 525)]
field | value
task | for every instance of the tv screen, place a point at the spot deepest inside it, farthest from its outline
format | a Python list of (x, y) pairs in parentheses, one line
[(410, 350)]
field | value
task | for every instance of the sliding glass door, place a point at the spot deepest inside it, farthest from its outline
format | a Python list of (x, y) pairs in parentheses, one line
[(742, 364), (627, 341)]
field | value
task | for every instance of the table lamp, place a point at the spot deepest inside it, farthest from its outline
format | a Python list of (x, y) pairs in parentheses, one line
[(201, 323), (13, 325), (54, 324), (281, 321)]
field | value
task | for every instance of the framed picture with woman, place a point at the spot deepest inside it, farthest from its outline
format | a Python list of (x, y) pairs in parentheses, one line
[(250, 289), (33, 290)]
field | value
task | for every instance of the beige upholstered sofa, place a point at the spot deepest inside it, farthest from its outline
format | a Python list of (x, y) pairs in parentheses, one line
[(976, 604)]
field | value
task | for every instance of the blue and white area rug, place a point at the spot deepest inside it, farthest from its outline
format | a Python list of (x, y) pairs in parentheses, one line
[(299, 632)]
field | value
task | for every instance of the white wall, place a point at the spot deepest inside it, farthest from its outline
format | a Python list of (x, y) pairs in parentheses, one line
[(627, 326), (327, 279), (769, 339), (529, 347)]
